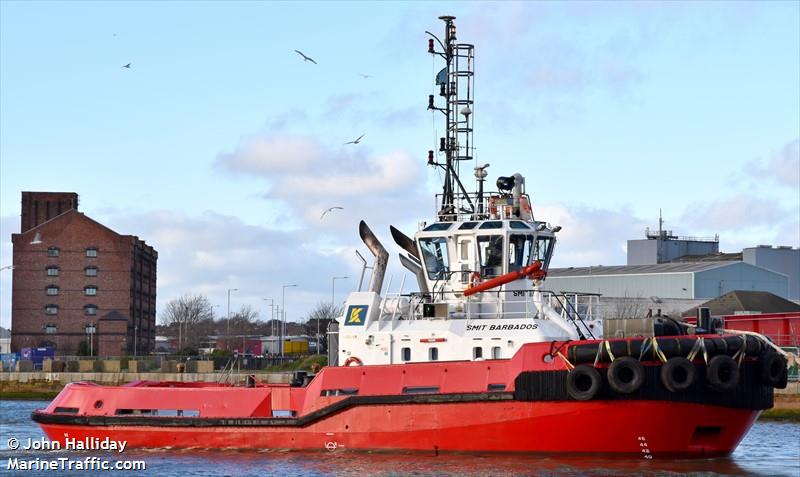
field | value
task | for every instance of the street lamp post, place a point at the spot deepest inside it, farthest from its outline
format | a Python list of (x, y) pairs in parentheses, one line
[(271, 318), (228, 321), (283, 310), (333, 303), (90, 331)]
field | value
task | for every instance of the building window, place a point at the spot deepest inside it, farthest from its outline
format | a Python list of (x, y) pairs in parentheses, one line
[(90, 309), (53, 252), (50, 329), (90, 291), (91, 271), (51, 309), (496, 352), (477, 352), (405, 354), (91, 252), (52, 271), (52, 290), (433, 354)]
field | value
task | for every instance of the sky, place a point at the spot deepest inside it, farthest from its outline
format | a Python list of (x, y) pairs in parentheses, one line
[(221, 147)]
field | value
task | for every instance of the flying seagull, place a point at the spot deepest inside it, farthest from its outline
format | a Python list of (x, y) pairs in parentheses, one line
[(363, 75), (357, 140), (305, 58), (330, 210), (127, 66)]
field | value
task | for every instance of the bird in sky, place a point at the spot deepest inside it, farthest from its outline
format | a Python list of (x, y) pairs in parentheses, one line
[(363, 75), (127, 66), (357, 140), (330, 209), (305, 58)]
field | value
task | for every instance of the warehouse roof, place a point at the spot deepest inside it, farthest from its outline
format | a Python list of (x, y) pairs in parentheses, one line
[(746, 300), (681, 267)]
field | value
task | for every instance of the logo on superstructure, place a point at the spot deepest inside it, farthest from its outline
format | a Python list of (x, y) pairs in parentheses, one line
[(356, 315)]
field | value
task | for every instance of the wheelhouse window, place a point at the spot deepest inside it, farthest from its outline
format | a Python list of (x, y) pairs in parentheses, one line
[(496, 353), (490, 251), (53, 251), (405, 354), (51, 309), (90, 291), (494, 224), (477, 352), (542, 250), (91, 252), (90, 310), (433, 354), (520, 248), (90, 271), (52, 271), (467, 226), (438, 226), (52, 290), (434, 252)]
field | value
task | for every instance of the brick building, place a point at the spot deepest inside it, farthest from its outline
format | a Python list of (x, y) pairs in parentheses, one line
[(72, 275)]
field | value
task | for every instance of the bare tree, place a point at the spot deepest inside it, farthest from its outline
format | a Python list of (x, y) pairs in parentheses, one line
[(183, 317), (320, 317), (627, 307)]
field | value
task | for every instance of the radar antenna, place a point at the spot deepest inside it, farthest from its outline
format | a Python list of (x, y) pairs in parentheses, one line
[(456, 83)]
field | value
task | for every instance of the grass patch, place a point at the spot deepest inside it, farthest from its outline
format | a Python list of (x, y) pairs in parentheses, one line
[(301, 364), (28, 395), (781, 415)]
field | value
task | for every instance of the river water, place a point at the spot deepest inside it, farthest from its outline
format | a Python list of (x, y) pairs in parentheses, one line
[(770, 449)]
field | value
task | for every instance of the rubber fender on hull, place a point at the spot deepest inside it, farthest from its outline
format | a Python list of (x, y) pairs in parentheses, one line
[(772, 370), (722, 373), (625, 375), (583, 382), (671, 347), (678, 374)]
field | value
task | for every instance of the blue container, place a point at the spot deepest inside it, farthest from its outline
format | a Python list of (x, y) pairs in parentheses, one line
[(38, 355)]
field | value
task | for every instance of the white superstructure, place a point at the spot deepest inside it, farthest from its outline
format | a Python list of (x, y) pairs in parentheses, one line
[(480, 267)]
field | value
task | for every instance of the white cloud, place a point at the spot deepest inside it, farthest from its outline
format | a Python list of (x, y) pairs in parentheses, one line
[(734, 213), (783, 167), (590, 236), (267, 154)]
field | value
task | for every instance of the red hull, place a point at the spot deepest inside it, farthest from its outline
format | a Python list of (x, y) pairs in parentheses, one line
[(616, 427)]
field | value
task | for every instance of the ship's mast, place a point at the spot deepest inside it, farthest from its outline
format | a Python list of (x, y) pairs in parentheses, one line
[(455, 83)]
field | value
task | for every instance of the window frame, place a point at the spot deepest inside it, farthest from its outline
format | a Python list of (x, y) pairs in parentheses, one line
[(90, 287), (86, 271), (51, 309), (89, 251), (52, 287), (56, 270), (53, 251)]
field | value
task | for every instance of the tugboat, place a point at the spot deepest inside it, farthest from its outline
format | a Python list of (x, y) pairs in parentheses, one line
[(481, 358)]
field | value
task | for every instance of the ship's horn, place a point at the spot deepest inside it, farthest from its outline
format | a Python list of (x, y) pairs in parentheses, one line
[(413, 265), (404, 241), (381, 257)]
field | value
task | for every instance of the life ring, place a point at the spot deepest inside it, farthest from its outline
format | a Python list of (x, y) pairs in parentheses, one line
[(772, 370), (626, 375), (474, 279), (583, 382), (722, 373), (353, 360), (678, 374)]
